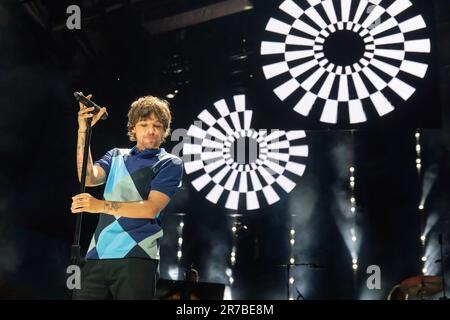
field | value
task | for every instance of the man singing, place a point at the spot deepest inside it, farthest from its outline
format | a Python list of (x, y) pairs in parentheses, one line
[(122, 259)]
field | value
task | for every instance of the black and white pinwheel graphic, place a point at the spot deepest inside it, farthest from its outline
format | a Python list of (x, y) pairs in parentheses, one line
[(386, 54), (238, 164)]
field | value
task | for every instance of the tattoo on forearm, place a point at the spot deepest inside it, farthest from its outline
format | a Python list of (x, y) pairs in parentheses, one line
[(80, 153), (112, 206), (116, 206), (80, 146)]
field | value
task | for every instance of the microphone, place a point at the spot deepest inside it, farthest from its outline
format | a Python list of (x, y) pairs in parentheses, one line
[(88, 103)]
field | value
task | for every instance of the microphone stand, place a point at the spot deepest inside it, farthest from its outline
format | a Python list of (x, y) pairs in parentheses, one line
[(288, 269), (299, 295), (75, 252)]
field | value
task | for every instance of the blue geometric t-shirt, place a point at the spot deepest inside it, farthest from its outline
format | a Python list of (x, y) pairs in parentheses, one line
[(131, 174)]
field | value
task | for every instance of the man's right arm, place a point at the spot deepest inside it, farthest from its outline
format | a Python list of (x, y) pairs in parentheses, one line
[(95, 175)]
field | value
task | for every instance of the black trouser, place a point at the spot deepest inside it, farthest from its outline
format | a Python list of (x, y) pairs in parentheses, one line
[(122, 279)]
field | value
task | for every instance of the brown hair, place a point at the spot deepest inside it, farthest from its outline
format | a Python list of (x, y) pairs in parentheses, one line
[(146, 106)]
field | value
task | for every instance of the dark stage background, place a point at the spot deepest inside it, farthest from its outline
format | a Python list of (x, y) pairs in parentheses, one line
[(116, 57)]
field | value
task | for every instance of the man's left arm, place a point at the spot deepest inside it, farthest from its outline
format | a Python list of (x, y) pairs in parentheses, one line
[(144, 209)]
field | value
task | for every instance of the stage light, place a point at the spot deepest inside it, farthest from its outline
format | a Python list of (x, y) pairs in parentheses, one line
[(424, 258), (234, 229), (355, 266), (424, 270), (418, 148), (352, 200), (292, 232), (418, 161), (352, 178), (421, 207), (352, 169), (227, 293), (353, 238), (173, 272), (417, 135), (423, 238), (303, 68), (231, 280), (292, 242), (291, 280), (354, 261), (252, 170), (229, 272), (352, 209), (233, 256), (292, 261), (180, 237), (418, 166), (352, 184), (170, 96)]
